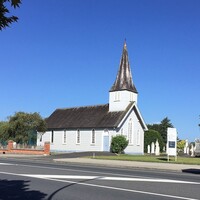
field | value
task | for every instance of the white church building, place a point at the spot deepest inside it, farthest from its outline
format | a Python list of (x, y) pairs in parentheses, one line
[(91, 128)]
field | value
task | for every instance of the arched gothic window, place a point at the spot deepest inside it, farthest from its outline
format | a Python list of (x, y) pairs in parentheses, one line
[(78, 137), (93, 136), (130, 131), (64, 137)]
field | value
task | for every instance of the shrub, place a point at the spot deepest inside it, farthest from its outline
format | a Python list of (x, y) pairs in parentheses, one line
[(118, 144)]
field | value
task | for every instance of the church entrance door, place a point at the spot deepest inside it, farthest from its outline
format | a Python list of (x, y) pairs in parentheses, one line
[(106, 143)]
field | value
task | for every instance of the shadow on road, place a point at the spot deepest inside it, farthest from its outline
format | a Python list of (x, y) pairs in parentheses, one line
[(18, 189), (66, 186), (192, 171)]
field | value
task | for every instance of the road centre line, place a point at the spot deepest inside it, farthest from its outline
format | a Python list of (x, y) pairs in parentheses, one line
[(6, 164), (105, 187), (108, 178), (76, 170), (123, 189), (85, 171)]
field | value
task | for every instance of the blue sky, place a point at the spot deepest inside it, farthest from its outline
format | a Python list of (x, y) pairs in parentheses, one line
[(66, 53)]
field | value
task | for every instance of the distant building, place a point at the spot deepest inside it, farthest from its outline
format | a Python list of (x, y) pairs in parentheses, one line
[(90, 128)]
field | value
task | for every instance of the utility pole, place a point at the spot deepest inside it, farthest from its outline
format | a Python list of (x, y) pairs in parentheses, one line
[(199, 124)]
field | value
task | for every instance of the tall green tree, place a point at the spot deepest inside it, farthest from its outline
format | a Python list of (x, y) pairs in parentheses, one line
[(4, 132), (23, 127), (151, 136), (6, 20), (162, 128)]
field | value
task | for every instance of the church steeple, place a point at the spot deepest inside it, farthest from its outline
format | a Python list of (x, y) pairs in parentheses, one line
[(124, 78), (123, 90)]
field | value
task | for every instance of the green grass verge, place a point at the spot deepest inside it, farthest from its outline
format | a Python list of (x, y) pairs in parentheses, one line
[(151, 158)]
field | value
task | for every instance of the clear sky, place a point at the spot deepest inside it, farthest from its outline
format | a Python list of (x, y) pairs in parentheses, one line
[(66, 53)]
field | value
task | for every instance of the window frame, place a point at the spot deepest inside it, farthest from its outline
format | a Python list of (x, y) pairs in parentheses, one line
[(138, 138), (117, 96), (64, 137), (52, 136), (130, 132), (78, 137), (93, 137)]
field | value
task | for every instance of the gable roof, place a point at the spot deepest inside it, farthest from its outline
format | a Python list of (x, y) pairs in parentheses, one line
[(85, 117), (124, 79), (133, 106)]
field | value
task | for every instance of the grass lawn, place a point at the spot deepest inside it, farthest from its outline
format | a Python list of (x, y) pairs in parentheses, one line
[(151, 158)]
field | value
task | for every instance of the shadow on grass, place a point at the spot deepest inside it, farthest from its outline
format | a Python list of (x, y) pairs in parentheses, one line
[(192, 171), (18, 189), (163, 159)]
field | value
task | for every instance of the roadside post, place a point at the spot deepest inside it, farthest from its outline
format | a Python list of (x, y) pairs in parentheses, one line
[(171, 143)]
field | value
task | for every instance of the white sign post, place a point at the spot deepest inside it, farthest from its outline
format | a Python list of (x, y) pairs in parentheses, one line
[(172, 142)]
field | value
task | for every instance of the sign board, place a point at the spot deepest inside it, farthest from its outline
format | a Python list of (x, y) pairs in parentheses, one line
[(171, 142)]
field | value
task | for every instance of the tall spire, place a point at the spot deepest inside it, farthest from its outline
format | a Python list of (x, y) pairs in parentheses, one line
[(124, 78)]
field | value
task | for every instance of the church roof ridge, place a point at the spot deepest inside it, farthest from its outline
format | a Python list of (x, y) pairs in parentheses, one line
[(124, 79)]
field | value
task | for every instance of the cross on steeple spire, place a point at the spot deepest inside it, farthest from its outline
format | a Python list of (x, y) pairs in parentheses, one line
[(124, 78)]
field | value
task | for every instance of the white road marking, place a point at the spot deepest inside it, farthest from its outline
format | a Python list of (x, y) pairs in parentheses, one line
[(100, 186), (6, 164), (97, 172), (108, 178), (123, 189)]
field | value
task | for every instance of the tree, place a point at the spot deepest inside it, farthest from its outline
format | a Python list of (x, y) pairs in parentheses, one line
[(151, 136), (23, 127), (118, 144), (162, 128), (5, 20), (4, 129), (181, 145)]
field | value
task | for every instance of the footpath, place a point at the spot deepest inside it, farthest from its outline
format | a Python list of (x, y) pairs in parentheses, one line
[(132, 164), (113, 163)]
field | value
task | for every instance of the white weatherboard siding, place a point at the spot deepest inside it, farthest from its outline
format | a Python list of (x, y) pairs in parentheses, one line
[(119, 100), (137, 145), (42, 138), (71, 145)]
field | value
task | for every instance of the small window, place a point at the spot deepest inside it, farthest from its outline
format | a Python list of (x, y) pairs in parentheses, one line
[(131, 96), (93, 136), (138, 137), (124, 134), (52, 136), (117, 96), (64, 137), (78, 137)]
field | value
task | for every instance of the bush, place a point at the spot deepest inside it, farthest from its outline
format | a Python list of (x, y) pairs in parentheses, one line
[(118, 144)]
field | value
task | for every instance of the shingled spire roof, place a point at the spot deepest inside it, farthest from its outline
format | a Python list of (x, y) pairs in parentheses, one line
[(124, 78)]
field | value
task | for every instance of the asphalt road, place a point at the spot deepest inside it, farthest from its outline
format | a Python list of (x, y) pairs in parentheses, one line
[(37, 179)]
